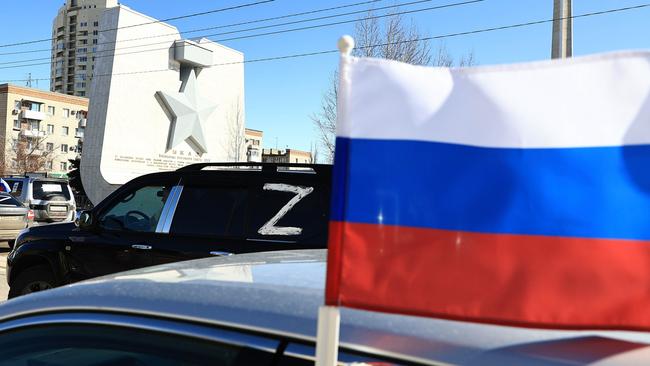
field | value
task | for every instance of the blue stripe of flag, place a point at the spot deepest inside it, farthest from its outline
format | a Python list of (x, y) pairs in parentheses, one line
[(601, 192)]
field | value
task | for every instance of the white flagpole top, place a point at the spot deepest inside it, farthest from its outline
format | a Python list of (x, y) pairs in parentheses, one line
[(346, 44)]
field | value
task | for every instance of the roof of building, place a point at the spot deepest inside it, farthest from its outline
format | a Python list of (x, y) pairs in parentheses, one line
[(43, 94), (280, 292), (250, 131)]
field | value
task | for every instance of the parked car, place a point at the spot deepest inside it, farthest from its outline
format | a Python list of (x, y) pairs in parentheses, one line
[(14, 217), (261, 309), (198, 211), (51, 199)]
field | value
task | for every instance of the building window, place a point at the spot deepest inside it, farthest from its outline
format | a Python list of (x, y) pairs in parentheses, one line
[(49, 146), (78, 132), (82, 50), (66, 112), (50, 110), (80, 85), (34, 125), (48, 165), (17, 105), (95, 32), (64, 166), (81, 94), (65, 131), (83, 24), (94, 41), (64, 148), (16, 125), (82, 59), (95, 24), (50, 129)]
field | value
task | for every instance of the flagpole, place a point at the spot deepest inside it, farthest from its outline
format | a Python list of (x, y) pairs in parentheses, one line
[(327, 338), (329, 317)]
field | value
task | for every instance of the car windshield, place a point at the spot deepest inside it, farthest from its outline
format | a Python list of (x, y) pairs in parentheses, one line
[(44, 190)]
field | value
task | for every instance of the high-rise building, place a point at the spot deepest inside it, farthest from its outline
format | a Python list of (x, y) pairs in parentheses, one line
[(75, 37)]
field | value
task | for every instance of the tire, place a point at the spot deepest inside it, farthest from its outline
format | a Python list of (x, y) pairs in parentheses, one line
[(32, 279)]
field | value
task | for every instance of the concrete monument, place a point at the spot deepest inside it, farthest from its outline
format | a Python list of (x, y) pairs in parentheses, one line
[(158, 102)]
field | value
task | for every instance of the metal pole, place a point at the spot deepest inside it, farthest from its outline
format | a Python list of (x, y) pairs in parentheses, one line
[(562, 46)]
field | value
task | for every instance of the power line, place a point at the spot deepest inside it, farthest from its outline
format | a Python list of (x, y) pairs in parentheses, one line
[(343, 22), (264, 34), (448, 35), (224, 26), (216, 27), (152, 22)]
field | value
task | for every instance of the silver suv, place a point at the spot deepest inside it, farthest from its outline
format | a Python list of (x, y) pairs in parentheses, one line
[(51, 199)]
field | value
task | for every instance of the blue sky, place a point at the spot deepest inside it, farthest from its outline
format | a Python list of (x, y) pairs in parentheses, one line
[(281, 95)]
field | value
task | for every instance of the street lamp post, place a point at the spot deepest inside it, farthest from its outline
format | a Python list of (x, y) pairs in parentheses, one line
[(562, 46)]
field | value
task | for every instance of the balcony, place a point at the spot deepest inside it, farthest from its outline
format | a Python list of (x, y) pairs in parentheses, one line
[(33, 133), (29, 114)]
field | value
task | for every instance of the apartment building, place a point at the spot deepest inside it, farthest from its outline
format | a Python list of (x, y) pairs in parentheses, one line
[(253, 140), (39, 130), (75, 38), (288, 156)]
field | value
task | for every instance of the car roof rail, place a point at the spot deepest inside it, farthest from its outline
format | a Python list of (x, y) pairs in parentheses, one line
[(265, 167)]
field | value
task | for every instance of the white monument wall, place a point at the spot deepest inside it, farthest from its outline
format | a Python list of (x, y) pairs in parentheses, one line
[(129, 131)]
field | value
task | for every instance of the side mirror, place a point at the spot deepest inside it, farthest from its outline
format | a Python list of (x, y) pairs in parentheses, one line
[(85, 220)]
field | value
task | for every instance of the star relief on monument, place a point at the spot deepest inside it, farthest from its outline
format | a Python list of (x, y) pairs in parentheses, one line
[(189, 111)]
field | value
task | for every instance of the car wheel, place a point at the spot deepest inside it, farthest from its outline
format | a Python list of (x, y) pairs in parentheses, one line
[(33, 279)]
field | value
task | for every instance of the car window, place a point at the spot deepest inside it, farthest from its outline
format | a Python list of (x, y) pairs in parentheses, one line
[(291, 212), (50, 191), (138, 210), (9, 201), (210, 211), (16, 187), (73, 345)]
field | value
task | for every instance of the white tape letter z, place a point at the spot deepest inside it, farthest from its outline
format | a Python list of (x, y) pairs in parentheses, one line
[(269, 228)]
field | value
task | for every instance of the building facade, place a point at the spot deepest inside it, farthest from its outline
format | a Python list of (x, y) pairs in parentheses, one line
[(253, 145), (288, 156), (40, 131), (75, 38)]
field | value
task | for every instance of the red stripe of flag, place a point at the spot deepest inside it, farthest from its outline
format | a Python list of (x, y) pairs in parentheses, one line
[(520, 280)]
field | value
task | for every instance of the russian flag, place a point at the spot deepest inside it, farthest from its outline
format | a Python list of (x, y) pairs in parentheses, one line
[(516, 195)]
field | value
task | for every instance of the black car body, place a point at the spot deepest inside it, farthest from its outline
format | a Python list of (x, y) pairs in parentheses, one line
[(173, 216)]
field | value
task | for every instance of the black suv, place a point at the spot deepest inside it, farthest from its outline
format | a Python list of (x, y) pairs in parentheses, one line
[(211, 209)]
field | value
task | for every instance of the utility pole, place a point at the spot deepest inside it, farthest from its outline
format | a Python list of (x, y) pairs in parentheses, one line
[(562, 29)]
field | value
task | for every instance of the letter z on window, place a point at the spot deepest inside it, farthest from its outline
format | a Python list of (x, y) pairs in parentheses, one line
[(300, 192)]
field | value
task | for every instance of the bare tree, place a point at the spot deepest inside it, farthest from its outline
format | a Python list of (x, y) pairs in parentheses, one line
[(236, 132), (29, 154), (393, 40)]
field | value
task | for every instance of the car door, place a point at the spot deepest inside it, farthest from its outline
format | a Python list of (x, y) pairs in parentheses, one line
[(208, 219), (126, 230)]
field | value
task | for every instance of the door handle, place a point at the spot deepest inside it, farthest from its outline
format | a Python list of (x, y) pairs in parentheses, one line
[(141, 246), (220, 254)]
